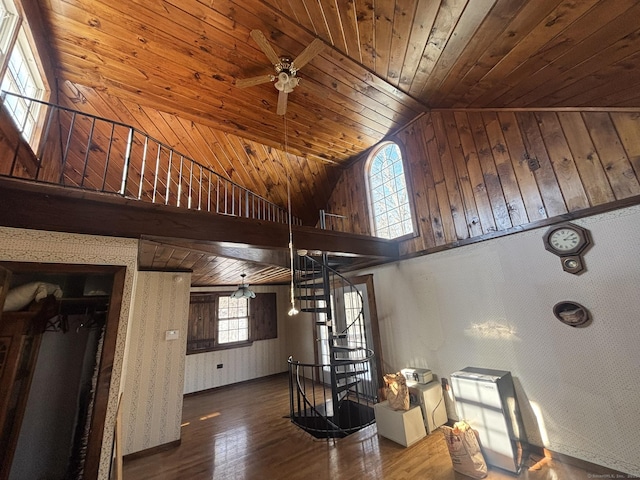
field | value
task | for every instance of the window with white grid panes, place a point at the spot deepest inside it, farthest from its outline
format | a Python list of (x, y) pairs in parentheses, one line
[(233, 320), (388, 194), (23, 77), (354, 317), (9, 23)]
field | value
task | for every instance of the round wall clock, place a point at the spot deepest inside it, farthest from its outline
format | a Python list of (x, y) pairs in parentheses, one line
[(569, 242)]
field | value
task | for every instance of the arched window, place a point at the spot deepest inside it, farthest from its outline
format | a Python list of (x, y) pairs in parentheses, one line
[(388, 195)]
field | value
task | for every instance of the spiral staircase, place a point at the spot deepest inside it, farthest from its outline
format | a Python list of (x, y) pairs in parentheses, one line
[(330, 398), (335, 396)]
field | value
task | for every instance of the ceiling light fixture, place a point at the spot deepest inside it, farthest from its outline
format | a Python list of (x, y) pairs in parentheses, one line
[(243, 290), (293, 310)]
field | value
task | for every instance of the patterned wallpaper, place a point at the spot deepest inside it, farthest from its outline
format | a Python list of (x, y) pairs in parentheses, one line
[(490, 305), (266, 357), (52, 247), (152, 402)]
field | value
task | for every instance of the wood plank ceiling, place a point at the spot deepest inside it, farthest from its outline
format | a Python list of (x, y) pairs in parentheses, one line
[(169, 67)]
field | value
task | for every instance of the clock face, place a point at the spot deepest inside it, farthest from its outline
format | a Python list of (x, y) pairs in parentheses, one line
[(564, 239)]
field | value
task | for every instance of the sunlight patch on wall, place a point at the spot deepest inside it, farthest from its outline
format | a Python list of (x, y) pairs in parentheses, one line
[(492, 330)]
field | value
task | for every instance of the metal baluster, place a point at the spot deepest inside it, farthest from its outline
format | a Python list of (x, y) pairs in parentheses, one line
[(209, 193), (66, 148), (86, 154), (226, 198), (246, 204), (127, 161), (155, 177), (233, 199), (166, 198), (218, 196), (200, 190), (108, 157), (180, 181), (190, 185)]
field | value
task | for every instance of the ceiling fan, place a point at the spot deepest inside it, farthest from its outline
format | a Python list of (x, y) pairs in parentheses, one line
[(286, 70)]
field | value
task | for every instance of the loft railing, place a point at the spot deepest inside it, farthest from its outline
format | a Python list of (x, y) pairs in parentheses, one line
[(334, 397), (84, 151)]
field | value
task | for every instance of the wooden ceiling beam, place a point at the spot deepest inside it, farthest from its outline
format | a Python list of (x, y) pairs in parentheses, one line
[(47, 207)]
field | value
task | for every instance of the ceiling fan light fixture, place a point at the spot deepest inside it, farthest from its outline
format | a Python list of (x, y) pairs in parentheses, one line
[(243, 290)]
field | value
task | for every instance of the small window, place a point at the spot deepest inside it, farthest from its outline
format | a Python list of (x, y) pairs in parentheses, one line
[(217, 321), (388, 194), (233, 320), (23, 78), (9, 23)]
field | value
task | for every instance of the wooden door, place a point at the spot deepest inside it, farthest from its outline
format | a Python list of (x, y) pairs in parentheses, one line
[(20, 335)]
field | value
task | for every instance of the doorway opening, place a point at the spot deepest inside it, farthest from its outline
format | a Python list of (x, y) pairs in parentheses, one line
[(56, 370)]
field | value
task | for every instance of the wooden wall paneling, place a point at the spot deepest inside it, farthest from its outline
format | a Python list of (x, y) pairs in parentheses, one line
[(465, 28), (334, 26), (497, 81), (621, 175), (519, 156), (444, 213), (482, 76), (161, 259), (628, 128), (440, 32), (564, 167), (430, 200), (416, 175), (554, 203), (384, 12), (476, 176), (178, 256), (297, 11), (366, 28), (590, 89), (613, 64), (492, 27), (316, 17), (358, 196), (450, 178), (264, 317), (505, 169), (190, 260), (587, 160), (569, 48), (347, 15), (51, 149), (489, 172), (403, 19), (623, 96), (462, 175), (425, 16)]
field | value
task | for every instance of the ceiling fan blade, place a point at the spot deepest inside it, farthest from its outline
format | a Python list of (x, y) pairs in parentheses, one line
[(250, 82), (313, 49), (282, 103), (265, 46)]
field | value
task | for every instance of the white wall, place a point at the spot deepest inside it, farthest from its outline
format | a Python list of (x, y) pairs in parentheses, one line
[(152, 400), (490, 305), (262, 358), (22, 245)]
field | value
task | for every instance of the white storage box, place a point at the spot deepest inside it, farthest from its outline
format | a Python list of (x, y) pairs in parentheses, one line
[(405, 427), (419, 375), (429, 397)]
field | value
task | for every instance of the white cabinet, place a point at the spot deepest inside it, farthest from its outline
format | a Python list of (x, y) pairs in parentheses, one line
[(402, 426), (486, 400)]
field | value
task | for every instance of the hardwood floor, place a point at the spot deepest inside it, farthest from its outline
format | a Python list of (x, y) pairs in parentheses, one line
[(241, 432)]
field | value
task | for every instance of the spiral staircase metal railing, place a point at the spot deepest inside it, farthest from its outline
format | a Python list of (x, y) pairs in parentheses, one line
[(335, 396), (83, 151)]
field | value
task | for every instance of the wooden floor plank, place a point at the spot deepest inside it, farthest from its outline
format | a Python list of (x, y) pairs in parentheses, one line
[(241, 432)]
